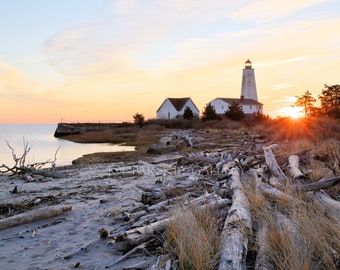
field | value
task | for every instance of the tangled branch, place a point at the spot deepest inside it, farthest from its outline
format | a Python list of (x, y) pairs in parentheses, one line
[(21, 166)]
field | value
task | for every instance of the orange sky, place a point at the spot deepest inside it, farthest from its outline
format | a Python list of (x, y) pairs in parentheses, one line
[(84, 60)]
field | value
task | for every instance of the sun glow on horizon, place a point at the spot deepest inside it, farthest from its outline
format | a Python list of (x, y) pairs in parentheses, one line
[(292, 112)]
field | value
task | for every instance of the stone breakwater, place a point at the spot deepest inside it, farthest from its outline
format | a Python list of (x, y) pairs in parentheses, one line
[(64, 129)]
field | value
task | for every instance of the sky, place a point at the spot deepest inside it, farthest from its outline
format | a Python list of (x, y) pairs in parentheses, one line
[(105, 60)]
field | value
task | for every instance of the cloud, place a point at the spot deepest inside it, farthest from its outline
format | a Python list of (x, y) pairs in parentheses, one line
[(284, 85), (266, 11), (13, 80)]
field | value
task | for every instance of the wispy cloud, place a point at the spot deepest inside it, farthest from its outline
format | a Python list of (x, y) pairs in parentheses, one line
[(267, 11), (14, 80), (284, 85)]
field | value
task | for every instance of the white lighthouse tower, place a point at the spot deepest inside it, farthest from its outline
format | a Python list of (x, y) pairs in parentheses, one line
[(248, 90)]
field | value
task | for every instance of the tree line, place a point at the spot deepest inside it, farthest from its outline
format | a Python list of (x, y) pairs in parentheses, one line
[(329, 106), (329, 102)]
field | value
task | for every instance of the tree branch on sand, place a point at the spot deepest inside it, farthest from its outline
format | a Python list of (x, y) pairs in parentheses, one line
[(21, 166)]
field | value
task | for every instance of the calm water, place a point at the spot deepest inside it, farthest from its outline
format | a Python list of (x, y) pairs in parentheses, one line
[(44, 145)]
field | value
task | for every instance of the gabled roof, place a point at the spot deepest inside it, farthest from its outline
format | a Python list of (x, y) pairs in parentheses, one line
[(178, 103), (245, 101)]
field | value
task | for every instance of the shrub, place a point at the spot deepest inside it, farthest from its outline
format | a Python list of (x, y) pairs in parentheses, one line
[(209, 113), (235, 111), (139, 119)]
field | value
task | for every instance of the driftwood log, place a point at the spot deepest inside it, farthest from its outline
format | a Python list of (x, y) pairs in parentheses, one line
[(272, 164), (293, 167), (137, 236), (236, 228), (22, 167), (33, 216)]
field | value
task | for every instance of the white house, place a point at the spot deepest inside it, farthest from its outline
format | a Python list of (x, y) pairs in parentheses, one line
[(248, 99), (249, 106), (174, 107)]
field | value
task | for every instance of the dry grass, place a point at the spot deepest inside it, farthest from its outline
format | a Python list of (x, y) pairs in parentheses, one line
[(130, 136), (193, 236), (299, 236), (315, 129)]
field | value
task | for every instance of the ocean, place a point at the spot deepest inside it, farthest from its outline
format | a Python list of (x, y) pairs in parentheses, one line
[(44, 145)]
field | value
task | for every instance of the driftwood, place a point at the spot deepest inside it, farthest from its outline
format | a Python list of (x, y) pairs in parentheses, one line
[(262, 261), (272, 164), (22, 167), (293, 167), (236, 228), (212, 176), (213, 170), (33, 215), (136, 236), (276, 194), (317, 185), (328, 201)]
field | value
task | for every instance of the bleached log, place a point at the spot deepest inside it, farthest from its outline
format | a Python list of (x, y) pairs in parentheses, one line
[(317, 185), (33, 215), (82, 249), (128, 254), (272, 164), (262, 260), (276, 194), (45, 173), (237, 226), (327, 200), (136, 236), (293, 167)]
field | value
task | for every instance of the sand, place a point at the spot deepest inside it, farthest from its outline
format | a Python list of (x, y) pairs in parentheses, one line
[(95, 194)]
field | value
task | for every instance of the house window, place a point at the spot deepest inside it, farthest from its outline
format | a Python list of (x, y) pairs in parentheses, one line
[(250, 106), (169, 115)]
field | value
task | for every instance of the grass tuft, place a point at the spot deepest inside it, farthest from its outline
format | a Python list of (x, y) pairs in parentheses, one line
[(193, 236), (300, 236)]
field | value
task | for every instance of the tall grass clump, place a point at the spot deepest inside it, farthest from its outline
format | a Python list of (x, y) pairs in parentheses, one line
[(302, 235), (193, 236), (309, 239)]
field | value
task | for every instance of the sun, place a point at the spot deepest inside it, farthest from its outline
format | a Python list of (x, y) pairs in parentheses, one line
[(294, 112)]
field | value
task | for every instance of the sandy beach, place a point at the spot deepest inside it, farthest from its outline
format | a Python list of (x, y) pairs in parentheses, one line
[(95, 193)]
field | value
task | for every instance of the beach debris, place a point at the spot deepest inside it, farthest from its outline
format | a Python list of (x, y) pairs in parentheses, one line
[(23, 167), (216, 172), (34, 215), (218, 176)]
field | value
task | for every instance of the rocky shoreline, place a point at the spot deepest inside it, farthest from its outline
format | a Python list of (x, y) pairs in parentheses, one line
[(64, 129)]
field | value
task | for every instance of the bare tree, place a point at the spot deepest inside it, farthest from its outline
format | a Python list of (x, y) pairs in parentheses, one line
[(21, 166)]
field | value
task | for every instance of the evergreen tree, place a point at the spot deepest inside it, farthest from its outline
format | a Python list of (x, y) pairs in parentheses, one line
[(139, 119), (209, 113), (235, 111), (330, 100), (306, 102), (188, 114)]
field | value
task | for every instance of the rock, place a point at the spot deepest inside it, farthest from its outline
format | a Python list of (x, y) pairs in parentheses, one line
[(160, 149)]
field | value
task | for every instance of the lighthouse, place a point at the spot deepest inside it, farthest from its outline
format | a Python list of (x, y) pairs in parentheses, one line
[(248, 88)]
